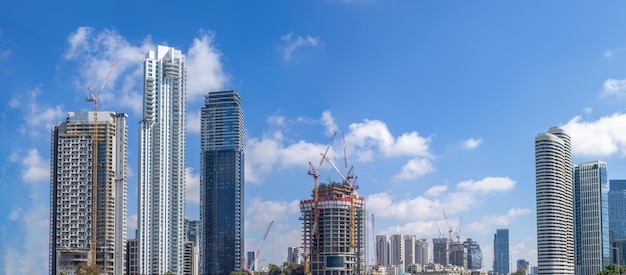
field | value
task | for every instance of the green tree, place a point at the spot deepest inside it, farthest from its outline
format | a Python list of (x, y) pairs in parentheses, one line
[(613, 269), (274, 269), (238, 272)]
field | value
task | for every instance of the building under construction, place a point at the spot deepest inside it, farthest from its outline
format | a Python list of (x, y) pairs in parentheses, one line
[(334, 230)]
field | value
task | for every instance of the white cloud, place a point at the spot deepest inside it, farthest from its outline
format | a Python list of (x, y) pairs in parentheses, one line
[(193, 120), (192, 186), (613, 87), (291, 44), (131, 225), (329, 123), (488, 222), (204, 67), (94, 52), (35, 168), (588, 110), (435, 200), (364, 141), (472, 143), (38, 118), (415, 168), (436, 190), (487, 185), (611, 53), (600, 138), (260, 212), (32, 256)]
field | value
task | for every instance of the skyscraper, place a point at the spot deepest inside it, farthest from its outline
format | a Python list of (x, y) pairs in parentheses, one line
[(591, 218), (474, 255), (382, 250), (409, 251), (422, 255), (71, 192), (161, 210), (222, 183), (441, 251), (617, 208), (396, 250), (555, 210), (501, 252)]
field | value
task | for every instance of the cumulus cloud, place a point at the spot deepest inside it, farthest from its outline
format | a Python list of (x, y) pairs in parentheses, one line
[(435, 199), (192, 186), (35, 168), (472, 143), (131, 225), (600, 138), (204, 67), (488, 222), (290, 44), (613, 87), (487, 185), (193, 120), (364, 140), (38, 118), (94, 53)]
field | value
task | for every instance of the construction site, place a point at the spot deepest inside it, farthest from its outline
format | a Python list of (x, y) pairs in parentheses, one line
[(333, 224)]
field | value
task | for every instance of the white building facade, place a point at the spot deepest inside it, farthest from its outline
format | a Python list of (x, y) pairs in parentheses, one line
[(162, 163), (555, 213)]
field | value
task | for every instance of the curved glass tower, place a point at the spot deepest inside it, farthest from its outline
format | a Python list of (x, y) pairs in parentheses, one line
[(554, 191)]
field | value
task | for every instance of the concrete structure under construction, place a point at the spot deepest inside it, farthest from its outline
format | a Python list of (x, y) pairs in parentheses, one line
[(333, 230), (72, 204), (441, 251)]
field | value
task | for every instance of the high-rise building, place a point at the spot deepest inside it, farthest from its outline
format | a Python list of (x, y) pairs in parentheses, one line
[(396, 249), (501, 252), (458, 254), (71, 184), (617, 208), (409, 251), (522, 267), (192, 246), (132, 257), (422, 255), (338, 244), (161, 211), (222, 183), (474, 255), (555, 209), (382, 250), (441, 251), (295, 255), (591, 218)]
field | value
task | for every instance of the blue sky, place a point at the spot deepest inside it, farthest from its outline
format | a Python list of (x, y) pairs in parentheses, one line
[(439, 102)]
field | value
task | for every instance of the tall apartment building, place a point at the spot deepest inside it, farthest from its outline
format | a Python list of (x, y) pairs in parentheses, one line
[(132, 257), (71, 185), (383, 250), (501, 252), (555, 210), (339, 244), (474, 255), (408, 253), (422, 254), (441, 251), (396, 250), (161, 210), (222, 183), (591, 218)]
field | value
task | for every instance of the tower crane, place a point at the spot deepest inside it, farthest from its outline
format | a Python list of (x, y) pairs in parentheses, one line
[(247, 269), (353, 186), (316, 212), (95, 98)]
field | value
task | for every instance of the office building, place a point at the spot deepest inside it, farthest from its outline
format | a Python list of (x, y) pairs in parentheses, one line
[(422, 255), (441, 251), (617, 208), (71, 192), (501, 252), (191, 255), (383, 250), (408, 253), (555, 209), (161, 174), (474, 255), (591, 218), (222, 183), (295, 255), (338, 244)]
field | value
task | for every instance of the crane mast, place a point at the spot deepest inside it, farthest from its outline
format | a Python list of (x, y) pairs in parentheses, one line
[(95, 97)]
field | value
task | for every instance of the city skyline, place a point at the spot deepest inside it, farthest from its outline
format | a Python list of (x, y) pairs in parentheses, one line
[(438, 103)]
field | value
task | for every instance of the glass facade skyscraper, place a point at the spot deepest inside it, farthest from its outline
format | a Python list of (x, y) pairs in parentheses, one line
[(474, 255), (222, 183), (501, 252), (617, 208), (161, 211), (591, 218), (555, 209)]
